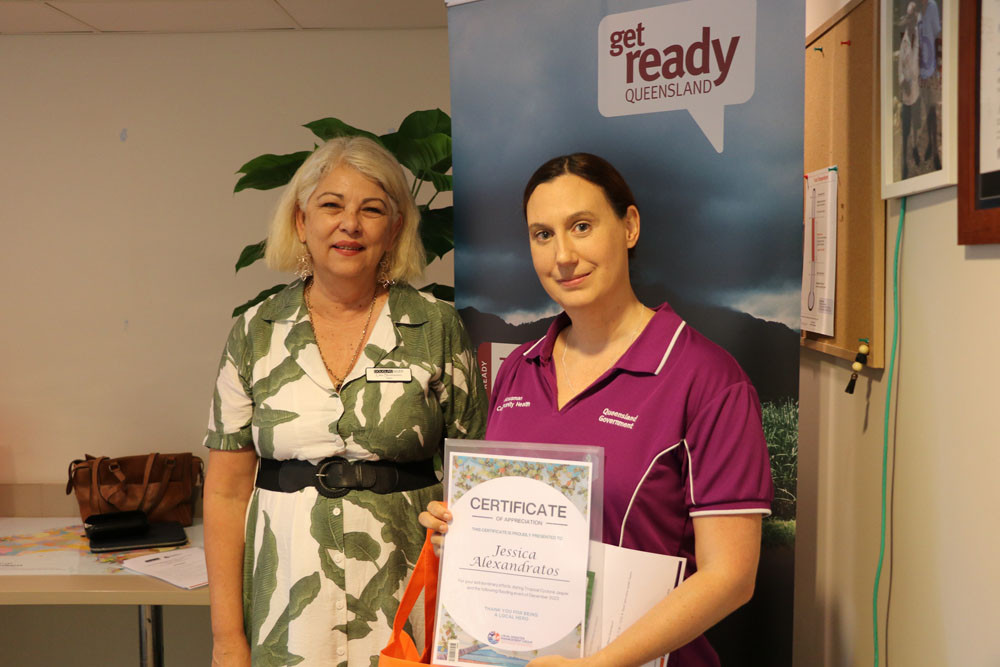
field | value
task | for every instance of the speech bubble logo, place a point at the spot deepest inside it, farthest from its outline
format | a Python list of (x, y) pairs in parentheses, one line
[(699, 56)]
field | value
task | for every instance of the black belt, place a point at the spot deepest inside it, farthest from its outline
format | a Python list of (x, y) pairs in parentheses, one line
[(334, 477)]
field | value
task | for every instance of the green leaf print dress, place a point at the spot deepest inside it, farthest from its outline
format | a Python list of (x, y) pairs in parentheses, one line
[(322, 577)]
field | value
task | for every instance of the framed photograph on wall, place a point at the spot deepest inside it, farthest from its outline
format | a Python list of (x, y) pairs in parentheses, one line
[(919, 58), (979, 123)]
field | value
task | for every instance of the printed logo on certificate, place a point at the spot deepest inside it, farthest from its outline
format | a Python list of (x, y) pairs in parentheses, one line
[(514, 567)]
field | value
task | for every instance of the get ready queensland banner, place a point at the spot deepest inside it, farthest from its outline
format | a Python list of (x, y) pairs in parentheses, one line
[(699, 104)]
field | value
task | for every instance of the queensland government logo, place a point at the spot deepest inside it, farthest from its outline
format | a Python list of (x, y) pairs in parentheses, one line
[(493, 637)]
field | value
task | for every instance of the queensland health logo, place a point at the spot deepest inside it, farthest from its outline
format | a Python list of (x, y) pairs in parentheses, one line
[(699, 56)]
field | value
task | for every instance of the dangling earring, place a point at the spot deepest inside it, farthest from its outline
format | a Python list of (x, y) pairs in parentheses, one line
[(304, 269), (382, 277)]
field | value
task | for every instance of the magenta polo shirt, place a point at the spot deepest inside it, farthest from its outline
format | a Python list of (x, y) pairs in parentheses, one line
[(680, 424)]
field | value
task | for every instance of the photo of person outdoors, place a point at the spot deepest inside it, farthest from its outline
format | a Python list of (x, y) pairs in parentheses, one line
[(917, 88)]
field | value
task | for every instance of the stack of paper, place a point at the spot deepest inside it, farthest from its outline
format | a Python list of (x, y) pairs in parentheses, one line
[(628, 583), (184, 568)]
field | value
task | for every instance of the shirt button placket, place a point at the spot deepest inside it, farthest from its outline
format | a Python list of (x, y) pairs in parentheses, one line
[(340, 597)]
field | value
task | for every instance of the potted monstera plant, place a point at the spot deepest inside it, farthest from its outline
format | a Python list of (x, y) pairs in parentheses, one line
[(422, 144)]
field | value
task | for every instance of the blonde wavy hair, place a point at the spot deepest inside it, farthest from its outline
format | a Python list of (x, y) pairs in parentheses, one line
[(406, 258)]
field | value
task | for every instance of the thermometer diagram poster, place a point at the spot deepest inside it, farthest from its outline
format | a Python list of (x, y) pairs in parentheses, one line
[(819, 252), (513, 574)]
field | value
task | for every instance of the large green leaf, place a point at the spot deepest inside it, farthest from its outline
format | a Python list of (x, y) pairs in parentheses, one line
[(265, 580), (285, 372), (327, 529), (266, 419), (270, 171), (361, 546), (444, 292), (251, 254), (391, 141), (330, 128), (436, 231), (380, 589), (250, 534), (421, 124), (421, 155), (395, 521), (442, 182), (443, 166), (239, 310)]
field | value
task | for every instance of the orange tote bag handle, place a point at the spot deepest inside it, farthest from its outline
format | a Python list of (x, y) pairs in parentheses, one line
[(401, 651)]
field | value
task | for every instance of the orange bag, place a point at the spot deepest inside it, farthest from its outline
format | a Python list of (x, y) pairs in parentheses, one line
[(401, 651)]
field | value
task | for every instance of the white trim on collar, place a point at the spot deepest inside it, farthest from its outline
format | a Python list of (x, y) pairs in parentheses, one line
[(526, 352), (670, 347)]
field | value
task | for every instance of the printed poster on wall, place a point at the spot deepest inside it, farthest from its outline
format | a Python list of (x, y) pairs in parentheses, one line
[(699, 104), (819, 252)]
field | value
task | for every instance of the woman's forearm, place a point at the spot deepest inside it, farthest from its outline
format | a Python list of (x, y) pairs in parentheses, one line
[(227, 491), (727, 550), (696, 605)]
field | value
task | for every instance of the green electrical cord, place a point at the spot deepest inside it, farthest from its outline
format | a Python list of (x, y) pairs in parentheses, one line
[(885, 425)]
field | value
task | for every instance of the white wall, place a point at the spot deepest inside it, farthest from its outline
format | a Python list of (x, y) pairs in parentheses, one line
[(116, 260), (946, 450), (120, 229), (943, 549), (818, 11)]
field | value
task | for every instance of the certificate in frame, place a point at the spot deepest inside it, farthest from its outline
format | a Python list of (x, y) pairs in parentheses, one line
[(919, 95), (513, 578), (979, 114)]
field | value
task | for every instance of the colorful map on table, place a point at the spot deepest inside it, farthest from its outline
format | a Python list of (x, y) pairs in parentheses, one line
[(59, 550), (54, 539)]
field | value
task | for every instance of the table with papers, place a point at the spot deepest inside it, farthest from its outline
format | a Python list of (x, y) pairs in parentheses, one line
[(46, 560)]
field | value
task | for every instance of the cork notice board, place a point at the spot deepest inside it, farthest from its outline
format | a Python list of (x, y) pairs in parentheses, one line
[(842, 130)]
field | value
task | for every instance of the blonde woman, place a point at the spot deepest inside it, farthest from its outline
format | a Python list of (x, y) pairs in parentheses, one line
[(332, 399)]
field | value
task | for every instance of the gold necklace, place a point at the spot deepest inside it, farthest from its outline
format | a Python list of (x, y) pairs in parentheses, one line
[(338, 381), (569, 382)]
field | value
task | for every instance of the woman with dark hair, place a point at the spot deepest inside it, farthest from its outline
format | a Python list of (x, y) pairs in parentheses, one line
[(686, 464)]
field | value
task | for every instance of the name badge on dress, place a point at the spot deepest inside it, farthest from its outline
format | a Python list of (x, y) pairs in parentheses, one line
[(379, 374)]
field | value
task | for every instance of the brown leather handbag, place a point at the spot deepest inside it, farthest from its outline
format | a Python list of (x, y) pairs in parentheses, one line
[(164, 486)]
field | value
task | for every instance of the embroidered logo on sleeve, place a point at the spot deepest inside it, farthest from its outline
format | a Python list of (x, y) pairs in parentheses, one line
[(619, 419)]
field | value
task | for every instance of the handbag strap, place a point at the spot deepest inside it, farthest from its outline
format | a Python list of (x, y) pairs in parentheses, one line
[(168, 468), (95, 485), (118, 497), (422, 580)]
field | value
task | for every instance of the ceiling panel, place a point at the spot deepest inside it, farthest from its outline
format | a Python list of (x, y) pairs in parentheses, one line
[(177, 15), (368, 13), (28, 16)]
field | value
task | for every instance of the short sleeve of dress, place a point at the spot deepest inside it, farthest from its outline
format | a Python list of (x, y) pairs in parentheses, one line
[(460, 390), (232, 405), (728, 469)]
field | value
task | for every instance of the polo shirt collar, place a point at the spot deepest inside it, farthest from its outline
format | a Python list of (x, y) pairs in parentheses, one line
[(645, 355)]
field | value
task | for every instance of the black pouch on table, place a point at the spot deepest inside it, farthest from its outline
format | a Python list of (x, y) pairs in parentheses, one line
[(121, 531)]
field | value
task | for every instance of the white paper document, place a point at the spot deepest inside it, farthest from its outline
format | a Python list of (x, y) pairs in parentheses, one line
[(184, 568), (819, 252), (628, 583), (513, 578)]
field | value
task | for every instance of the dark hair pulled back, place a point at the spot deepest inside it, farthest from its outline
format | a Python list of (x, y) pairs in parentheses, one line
[(589, 167)]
